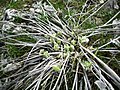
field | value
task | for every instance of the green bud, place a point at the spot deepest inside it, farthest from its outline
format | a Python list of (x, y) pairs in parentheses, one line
[(64, 54), (69, 39), (41, 52), (56, 47), (59, 33), (51, 40), (59, 56), (56, 68), (72, 33), (87, 64), (66, 47), (73, 42), (46, 54), (46, 36), (54, 34), (58, 42), (83, 39), (72, 47)]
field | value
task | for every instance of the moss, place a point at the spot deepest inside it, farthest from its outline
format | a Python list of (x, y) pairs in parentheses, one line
[(19, 4), (26, 38), (17, 51), (88, 24), (4, 3)]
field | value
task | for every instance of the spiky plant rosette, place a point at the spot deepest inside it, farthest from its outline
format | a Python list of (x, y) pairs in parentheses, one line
[(60, 58)]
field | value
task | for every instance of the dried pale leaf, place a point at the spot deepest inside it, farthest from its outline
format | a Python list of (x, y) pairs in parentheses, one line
[(100, 85)]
